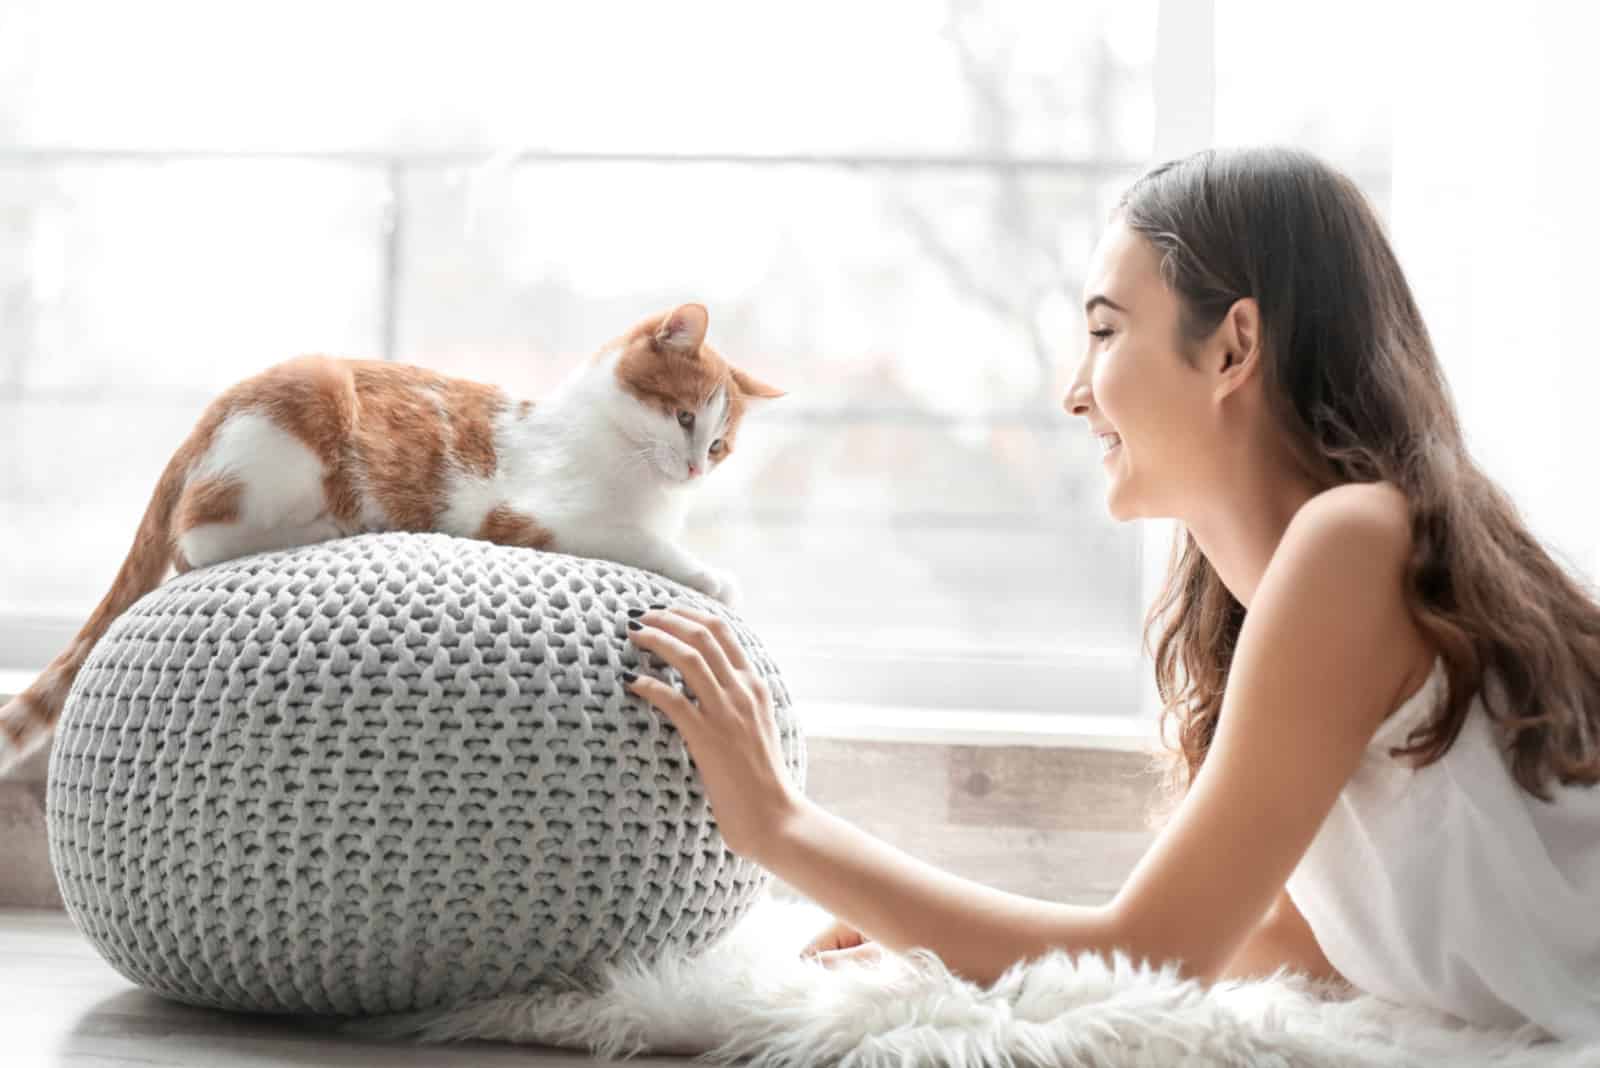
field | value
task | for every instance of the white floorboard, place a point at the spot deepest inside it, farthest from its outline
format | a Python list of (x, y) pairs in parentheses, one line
[(61, 1005)]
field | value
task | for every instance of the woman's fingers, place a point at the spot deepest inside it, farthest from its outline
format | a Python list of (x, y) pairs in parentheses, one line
[(691, 640), (866, 953), (681, 655), (670, 701), (722, 632), (837, 935)]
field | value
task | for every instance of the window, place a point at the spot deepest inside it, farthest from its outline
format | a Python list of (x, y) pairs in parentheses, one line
[(885, 208)]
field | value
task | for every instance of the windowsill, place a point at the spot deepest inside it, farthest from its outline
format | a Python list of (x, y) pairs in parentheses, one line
[(925, 726), (975, 726)]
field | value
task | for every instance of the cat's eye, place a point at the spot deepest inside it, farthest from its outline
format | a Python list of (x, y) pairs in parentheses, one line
[(686, 420), (716, 447)]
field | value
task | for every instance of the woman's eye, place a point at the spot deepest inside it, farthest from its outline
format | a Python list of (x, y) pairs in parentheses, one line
[(686, 420), (1101, 333)]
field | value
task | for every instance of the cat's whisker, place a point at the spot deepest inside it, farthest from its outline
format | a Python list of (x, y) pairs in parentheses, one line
[(631, 459)]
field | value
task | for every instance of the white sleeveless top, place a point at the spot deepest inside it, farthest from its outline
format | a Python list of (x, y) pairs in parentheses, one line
[(1451, 887)]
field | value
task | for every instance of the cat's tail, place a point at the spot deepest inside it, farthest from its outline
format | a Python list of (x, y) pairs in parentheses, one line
[(31, 715)]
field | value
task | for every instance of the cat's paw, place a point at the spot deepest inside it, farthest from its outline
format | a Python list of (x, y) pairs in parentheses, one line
[(717, 584)]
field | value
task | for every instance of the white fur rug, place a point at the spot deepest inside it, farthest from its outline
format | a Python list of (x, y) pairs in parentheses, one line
[(751, 999)]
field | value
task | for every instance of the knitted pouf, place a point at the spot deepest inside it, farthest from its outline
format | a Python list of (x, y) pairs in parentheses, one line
[(386, 773)]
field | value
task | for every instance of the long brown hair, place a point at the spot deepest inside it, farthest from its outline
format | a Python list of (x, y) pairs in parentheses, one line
[(1357, 390)]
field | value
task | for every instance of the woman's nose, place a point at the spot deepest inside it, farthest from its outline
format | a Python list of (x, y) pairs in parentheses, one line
[(1076, 402)]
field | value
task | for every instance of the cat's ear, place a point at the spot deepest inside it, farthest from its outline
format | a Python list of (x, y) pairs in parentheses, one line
[(683, 331), (751, 387)]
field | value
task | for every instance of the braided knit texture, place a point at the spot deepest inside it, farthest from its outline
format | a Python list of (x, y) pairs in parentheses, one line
[(386, 773)]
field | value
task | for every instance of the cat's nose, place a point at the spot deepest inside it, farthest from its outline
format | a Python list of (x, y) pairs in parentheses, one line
[(693, 470)]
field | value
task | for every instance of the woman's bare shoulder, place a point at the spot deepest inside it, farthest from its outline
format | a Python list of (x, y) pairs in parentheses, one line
[(1360, 534), (1375, 510)]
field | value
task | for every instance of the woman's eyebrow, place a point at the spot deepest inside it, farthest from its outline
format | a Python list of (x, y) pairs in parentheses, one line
[(1100, 298)]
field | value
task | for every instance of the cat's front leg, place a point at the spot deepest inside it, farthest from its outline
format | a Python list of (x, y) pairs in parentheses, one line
[(640, 548), (681, 567), (714, 582)]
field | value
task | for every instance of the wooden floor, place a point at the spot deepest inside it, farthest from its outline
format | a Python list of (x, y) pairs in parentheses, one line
[(60, 1004)]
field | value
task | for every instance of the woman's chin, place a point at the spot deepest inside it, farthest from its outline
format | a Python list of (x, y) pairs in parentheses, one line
[(1120, 505)]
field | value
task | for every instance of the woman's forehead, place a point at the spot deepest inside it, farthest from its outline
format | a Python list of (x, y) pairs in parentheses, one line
[(1123, 270)]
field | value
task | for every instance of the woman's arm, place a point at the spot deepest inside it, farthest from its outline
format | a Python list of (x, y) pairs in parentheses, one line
[(1327, 650), (1007, 931), (1283, 939)]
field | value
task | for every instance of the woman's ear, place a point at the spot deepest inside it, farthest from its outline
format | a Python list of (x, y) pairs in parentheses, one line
[(1236, 346)]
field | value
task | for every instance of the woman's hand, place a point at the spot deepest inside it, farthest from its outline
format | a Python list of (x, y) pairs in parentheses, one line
[(729, 727), (839, 943)]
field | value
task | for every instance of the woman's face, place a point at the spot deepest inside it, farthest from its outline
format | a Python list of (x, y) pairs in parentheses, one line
[(1148, 405)]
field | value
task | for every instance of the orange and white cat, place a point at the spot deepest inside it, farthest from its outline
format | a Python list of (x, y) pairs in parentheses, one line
[(318, 448)]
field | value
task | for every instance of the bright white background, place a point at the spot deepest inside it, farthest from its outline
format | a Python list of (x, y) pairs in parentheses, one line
[(887, 208)]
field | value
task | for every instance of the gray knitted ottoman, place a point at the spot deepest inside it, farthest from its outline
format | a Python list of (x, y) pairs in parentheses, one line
[(386, 773)]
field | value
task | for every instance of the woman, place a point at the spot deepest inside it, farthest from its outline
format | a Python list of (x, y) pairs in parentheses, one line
[(1386, 693)]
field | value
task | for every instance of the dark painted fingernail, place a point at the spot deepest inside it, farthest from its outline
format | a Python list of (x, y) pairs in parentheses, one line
[(635, 613), (634, 624), (629, 678)]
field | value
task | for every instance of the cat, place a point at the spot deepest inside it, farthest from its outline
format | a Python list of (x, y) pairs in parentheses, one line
[(318, 448)]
